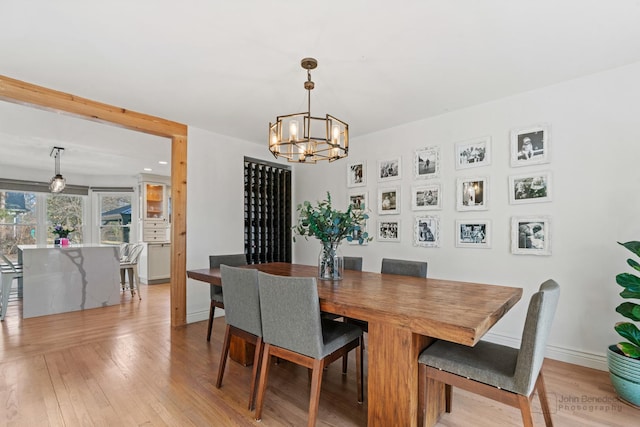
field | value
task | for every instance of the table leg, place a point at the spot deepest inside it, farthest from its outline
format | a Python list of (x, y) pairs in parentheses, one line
[(393, 377), (241, 351)]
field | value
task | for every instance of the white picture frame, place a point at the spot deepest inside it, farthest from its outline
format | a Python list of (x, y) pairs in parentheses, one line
[(356, 235), (473, 233), (426, 231), (426, 197), (426, 163), (472, 193), (473, 153), (359, 200), (531, 235), (357, 174), (388, 230), (534, 187), (530, 145), (389, 169), (389, 200)]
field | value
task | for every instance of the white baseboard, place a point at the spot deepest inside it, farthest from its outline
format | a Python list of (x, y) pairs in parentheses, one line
[(582, 358), (198, 316)]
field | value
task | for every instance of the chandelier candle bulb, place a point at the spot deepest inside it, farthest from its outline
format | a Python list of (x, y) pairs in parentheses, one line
[(293, 130)]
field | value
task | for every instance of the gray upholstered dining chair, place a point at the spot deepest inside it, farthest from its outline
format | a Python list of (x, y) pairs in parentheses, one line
[(353, 263), (242, 314), (217, 300), (404, 267), (293, 330), (508, 375)]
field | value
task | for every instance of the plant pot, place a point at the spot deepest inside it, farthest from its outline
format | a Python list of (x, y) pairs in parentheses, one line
[(625, 375)]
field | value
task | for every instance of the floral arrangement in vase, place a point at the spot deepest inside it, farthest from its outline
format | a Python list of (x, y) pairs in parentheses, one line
[(331, 226), (62, 231)]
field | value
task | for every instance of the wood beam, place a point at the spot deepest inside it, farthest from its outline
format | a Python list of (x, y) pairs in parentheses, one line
[(19, 92)]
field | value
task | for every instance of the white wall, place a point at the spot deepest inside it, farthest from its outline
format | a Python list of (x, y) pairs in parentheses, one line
[(215, 205), (594, 138)]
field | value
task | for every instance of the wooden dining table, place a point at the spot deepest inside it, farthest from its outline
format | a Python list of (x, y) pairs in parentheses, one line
[(405, 315)]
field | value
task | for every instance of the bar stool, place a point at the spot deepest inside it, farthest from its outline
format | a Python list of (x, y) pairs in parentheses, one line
[(10, 271)]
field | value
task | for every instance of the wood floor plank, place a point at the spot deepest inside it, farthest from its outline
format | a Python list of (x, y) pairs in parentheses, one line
[(125, 365)]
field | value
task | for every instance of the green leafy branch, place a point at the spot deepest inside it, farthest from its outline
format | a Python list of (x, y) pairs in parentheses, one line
[(330, 225)]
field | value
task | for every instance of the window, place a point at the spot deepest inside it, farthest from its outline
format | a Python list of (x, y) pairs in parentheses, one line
[(18, 220), (115, 218), (64, 209), (267, 212)]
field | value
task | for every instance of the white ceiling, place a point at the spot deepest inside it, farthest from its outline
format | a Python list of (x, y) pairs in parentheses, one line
[(233, 66)]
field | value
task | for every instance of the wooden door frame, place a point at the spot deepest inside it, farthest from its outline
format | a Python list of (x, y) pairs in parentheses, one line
[(27, 94)]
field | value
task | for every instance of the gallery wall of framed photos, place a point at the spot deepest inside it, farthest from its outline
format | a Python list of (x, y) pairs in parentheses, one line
[(530, 234)]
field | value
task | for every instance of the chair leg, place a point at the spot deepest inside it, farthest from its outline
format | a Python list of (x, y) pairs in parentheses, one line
[(544, 401), (223, 356), (257, 363), (137, 280), (314, 399), (525, 409), (131, 280), (122, 278), (262, 385), (359, 370), (345, 364), (212, 310)]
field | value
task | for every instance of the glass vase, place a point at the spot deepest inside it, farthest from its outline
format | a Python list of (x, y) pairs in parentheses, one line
[(330, 261)]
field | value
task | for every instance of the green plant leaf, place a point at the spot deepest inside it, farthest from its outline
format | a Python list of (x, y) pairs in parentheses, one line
[(629, 310), (634, 264), (628, 281), (628, 331), (627, 294), (633, 246), (629, 350)]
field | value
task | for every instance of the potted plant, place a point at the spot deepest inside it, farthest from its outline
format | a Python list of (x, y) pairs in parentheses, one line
[(624, 358), (62, 231), (331, 226)]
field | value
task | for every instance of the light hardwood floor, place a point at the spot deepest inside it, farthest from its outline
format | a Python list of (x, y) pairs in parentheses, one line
[(125, 366)]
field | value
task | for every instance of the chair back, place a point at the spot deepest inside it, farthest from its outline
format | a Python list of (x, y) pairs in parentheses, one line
[(10, 265), (241, 298), (234, 260), (290, 310), (404, 267), (134, 253), (215, 261), (542, 308), (124, 250), (353, 263)]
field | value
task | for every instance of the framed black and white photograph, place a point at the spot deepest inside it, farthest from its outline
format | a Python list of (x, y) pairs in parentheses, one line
[(357, 174), (357, 234), (426, 163), (389, 170), (388, 230), (473, 153), (533, 187), (475, 233), (426, 231), (358, 200), (531, 235), (426, 197), (389, 200), (472, 194), (530, 146)]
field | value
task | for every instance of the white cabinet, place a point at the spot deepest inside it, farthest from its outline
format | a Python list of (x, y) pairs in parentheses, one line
[(154, 224), (155, 263)]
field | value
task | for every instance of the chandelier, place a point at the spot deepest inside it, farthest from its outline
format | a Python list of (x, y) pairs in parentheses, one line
[(57, 183), (317, 139)]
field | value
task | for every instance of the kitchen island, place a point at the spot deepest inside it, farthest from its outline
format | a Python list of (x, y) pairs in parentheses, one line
[(69, 278)]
